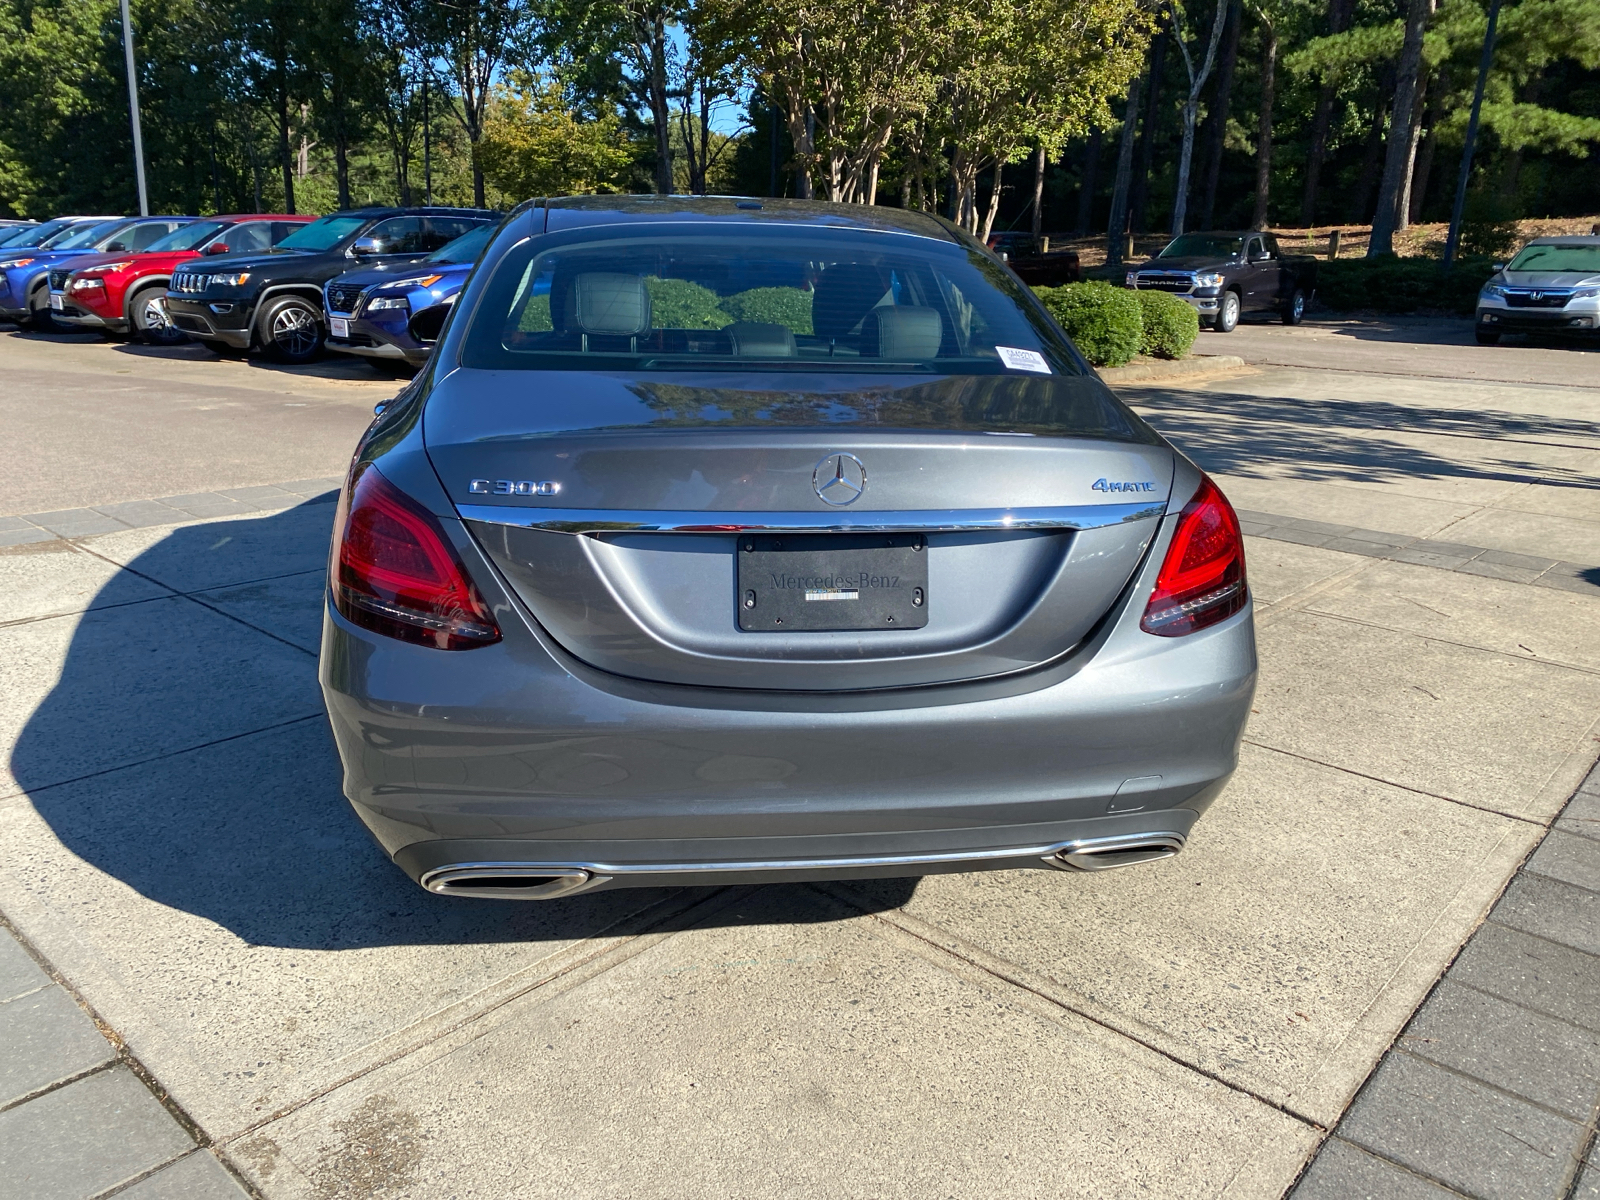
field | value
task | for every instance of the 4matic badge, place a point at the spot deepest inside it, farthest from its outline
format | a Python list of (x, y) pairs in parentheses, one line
[(1115, 485)]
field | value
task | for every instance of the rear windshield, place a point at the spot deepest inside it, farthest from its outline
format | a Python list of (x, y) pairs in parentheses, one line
[(755, 299), (1557, 258), (1202, 245), (323, 234), (188, 237), (88, 235), (465, 248), (34, 235)]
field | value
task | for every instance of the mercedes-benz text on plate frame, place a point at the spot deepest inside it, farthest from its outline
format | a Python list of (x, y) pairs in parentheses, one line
[(839, 479), (611, 604)]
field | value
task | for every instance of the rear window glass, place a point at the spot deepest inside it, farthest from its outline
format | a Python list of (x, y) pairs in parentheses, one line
[(759, 300), (1557, 258), (465, 248), (323, 234), (188, 237), (88, 235)]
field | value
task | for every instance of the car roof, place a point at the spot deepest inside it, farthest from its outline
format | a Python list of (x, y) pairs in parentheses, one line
[(262, 217), (1566, 240), (569, 212), (434, 210)]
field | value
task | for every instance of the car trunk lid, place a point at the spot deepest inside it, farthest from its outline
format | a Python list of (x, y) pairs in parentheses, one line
[(624, 538)]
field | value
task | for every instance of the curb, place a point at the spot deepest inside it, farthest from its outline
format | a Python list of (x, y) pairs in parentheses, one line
[(1156, 370)]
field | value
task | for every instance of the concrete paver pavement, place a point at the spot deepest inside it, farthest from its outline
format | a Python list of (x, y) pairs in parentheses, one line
[(1493, 1090), (1189, 1028)]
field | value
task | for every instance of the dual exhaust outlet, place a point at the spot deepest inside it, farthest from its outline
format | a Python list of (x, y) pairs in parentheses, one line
[(530, 881)]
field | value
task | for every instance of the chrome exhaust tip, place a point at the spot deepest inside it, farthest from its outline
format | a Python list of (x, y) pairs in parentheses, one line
[(509, 881), (1127, 850)]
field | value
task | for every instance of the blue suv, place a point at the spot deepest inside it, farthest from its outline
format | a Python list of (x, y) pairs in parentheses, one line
[(369, 309), (25, 272)]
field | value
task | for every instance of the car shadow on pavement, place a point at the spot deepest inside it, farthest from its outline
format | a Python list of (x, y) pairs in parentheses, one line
[(183, 751), (1370, 441)]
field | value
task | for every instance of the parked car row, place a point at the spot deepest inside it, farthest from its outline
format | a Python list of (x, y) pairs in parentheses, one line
[(286, 285)]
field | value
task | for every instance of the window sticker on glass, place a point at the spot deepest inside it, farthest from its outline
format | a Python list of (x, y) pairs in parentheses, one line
[(1023, 360)]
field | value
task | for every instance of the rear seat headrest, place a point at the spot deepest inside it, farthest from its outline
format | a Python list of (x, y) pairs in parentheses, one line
[(608, 303), (902, 333)]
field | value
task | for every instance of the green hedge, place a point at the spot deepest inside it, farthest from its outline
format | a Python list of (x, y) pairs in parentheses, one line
[(682, 304), (1392, 284), (772, 306), (1170, 325), (1104, 322)]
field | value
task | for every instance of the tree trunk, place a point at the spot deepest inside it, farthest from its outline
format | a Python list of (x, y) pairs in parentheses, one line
[(994, 197), (1322, 121), (1269, 72), (1191, 112), (1401, 143), (1367, 177), (1139, 190), (1217, 119), (1116, 226), (804, 138), (660, 107), (1419, 187), (1038, 194), (1086, 180), (1402, 213), (284, 152)]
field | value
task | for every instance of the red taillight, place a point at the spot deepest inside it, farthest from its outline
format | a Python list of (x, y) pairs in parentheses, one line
[(394, 572), (1202, 578)]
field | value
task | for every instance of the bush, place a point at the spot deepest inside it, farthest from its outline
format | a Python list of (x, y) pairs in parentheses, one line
[(1103, 321), (680, 304), (1170, 325), (772, 306), (1392, 284), (1488, 225)]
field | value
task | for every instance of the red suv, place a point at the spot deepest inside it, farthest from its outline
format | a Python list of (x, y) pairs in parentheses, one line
[(123, 293)]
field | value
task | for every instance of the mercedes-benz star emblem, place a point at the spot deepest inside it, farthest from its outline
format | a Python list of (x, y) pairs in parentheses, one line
[(839, 479)]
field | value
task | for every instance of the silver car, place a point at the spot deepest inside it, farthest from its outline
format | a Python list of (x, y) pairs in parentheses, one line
[(1551, 286), (732, 540)]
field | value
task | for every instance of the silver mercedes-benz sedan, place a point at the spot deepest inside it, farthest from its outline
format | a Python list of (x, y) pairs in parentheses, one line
[(734, 541)]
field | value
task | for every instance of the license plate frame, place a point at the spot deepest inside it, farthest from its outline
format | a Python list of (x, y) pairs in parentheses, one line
[(831, 582), (339, 327)]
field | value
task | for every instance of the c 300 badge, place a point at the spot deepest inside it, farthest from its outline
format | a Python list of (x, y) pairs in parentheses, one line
[(514, 487)]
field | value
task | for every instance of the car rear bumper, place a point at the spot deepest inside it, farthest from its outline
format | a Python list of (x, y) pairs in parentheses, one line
[(516, 753)]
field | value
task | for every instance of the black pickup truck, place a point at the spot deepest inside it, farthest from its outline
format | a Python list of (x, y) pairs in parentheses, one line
[(1223, 275)]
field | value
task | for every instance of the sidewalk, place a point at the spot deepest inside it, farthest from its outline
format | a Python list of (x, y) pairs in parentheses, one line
[(1493, 1090)]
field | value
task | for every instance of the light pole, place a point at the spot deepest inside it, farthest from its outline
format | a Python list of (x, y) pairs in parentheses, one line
[(133, 107)]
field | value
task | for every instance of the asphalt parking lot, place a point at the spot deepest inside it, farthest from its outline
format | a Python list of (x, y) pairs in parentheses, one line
[(219, 983)]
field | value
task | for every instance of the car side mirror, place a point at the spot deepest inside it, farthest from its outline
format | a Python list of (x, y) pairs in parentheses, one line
[(426, 323), (364, 246), (1497, 267), (217, 248), (117, 247)]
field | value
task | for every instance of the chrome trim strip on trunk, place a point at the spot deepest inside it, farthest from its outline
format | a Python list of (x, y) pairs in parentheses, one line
[(617, 520)]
